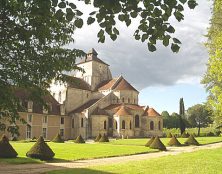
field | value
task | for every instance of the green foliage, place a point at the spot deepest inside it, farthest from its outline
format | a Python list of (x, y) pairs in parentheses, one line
[(98, 138), (40, 150), (213, 77), (171, 121), (174, 142), (157, 144), (58, 139), (191, 141), (104, 138), (169, 135), (79, 139), (6, 150), (150, 141)]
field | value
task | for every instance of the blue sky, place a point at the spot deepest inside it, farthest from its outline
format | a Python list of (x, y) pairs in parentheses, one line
[(162, 77)]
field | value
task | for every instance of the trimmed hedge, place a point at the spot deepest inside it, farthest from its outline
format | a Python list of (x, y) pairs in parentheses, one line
[(157, 144), (191, 141), (79, 139), (6, 150), (98, 138), (169, 135), (104, 138), (185, 135), (174, 142), (150, 141), (41, 150), (58, 139)]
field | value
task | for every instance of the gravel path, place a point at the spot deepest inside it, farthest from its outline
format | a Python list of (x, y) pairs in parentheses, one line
[(41, 168)]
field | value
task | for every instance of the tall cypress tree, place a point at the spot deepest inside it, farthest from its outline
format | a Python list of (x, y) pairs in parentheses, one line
[(181, 116)]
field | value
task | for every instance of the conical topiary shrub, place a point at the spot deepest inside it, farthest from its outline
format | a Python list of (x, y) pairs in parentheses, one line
[(174, 142), (40, 150), (150, 141), (191, 141), (6, 150), (58, 139), (169, 135), (104, 138), (98, 138), (79, 139), (157, 144), (184, 135)]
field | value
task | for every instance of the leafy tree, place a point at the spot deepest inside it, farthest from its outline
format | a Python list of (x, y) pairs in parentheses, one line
[(182, 116), (165, 114), (171, 121), (199, 116), (213, 76), (34, 33)]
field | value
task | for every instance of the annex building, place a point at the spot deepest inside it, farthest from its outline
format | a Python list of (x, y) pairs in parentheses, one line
[(92, 102)]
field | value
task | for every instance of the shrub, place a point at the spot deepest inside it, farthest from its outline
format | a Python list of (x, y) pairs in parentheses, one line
[(40, 150), (169, 135), (210, 134), (14, 139), (157, 144), (184, 135), (217, 132), (79, 139), (58, 139), (104, 138), (174, 142), (150, 141), (98, 138), (191, 141), (6, 150), (34, 138)]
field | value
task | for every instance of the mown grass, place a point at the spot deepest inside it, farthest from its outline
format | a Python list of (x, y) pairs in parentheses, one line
[(201, 162), (71, 151)]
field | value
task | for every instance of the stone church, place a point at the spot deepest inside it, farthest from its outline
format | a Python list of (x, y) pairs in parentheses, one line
[(98, 103), (91, 102)]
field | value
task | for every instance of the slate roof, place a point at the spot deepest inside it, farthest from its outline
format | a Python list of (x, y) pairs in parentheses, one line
[(78, 83)]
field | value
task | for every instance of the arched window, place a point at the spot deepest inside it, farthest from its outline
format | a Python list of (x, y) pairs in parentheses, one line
[(128, 100), (60, 97), (151, 125), (159, 125), (137, 121), (134, 101), (123, 99), (81, 122), (110, 123), (123, 125), (130, 125), (104, 124), (116, 124)]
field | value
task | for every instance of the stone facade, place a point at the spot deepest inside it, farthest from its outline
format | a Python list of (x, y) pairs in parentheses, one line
[(88, 104)]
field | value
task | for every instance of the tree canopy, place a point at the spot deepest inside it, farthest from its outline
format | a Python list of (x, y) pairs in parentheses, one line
[(213, 76), (34, 33)]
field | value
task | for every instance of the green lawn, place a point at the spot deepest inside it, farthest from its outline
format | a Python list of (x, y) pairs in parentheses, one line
[(72, 151), (200, 162), (142, 141)]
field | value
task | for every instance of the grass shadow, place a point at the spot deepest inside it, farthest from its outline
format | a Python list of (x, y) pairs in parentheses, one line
[(19, 160), (79, 171)]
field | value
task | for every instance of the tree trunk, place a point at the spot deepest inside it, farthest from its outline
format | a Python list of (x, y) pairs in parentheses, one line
[(198, 130)]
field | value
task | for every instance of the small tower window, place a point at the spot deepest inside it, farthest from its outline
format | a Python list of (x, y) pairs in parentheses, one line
[(130, 125), (137, 121), (104, 124), (159, 125), (81, 122), (151, 125), (128, 100), (123, 124)]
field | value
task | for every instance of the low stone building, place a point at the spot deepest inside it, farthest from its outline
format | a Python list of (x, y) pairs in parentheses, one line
[(91, 102)]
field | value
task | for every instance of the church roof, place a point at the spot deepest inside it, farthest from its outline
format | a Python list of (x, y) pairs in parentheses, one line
[(91, 56), (116, 84), (150, 112), (99, 111), (78, 83), (116, 107), (84, 106), (122, 111)]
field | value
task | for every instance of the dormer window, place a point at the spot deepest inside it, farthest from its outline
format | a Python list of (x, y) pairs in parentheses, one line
[(30, 106), (47, 109)]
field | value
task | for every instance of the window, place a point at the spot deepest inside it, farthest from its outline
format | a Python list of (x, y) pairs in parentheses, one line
[(159, 125), (128, 100), (60, 97), (110, 122), (117, 100), (104, 125), (28, 132), (87, 95), (123, 124), (73, 123), (130, 125), (45, 119), (116, 125), (44, 133), (134, 101), (137, 121), (123, 100), (30, 104), (151, 125), (49, 107), (62, 132), (29, 118), (81, 122), (62, 120)]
